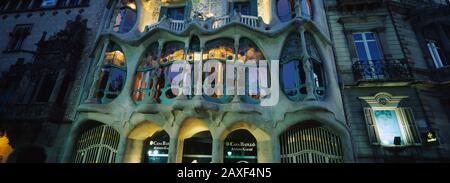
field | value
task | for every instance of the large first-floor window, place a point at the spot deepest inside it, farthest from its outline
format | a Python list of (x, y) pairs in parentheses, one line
[(389, 124)]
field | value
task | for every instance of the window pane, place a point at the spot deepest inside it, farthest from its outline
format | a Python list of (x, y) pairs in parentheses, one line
[(117, 79), (388, 126), (361, 50), (175, 13), (370, 36), (283, 10), (128, 20), (357, 37), (374, 50)]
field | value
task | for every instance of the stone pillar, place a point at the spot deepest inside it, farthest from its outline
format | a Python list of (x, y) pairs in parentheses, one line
[(172, 150), (217, 151), (97, 69), (275, 144), (133, 151), (121, 148), (307, 66)]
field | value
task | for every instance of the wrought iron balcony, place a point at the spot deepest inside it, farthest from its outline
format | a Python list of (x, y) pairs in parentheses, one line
[(375, 70)]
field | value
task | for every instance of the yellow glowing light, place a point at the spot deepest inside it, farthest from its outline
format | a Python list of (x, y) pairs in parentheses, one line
[(5, 149)]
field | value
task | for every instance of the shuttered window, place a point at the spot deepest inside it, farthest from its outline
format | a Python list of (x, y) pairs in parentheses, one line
[(391, 126)]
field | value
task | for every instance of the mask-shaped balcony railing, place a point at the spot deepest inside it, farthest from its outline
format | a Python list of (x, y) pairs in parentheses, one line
[(373, 70), (211, 23)]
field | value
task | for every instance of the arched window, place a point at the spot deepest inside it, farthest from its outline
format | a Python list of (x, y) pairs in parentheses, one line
[(249, 52), (198, 148), (112, 74), (286, 9), (318, 75), (156, 148), (221, 50), (96, 144), (145, 78), (125, 19), (293, 75), (310, 142), (172, 51), (240, 147)]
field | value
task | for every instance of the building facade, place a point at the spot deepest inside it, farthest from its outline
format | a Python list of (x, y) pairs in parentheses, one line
[(387, 72), (42, 45), (337, 81)]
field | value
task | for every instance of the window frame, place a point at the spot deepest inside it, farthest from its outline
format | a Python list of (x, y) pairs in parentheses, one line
[(434, 49), (401, 124)]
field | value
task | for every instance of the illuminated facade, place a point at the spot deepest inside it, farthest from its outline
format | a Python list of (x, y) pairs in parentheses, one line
[(128, 105), (347, 86)]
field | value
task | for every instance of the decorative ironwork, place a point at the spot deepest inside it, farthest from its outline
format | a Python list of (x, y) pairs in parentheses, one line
[(381, 70)]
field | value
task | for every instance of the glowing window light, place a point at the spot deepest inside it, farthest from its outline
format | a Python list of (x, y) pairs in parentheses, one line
[(388, 126)]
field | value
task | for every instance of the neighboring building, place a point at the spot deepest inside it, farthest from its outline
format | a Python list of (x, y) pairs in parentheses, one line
[(395, 97), (358, 81), (42, 43)]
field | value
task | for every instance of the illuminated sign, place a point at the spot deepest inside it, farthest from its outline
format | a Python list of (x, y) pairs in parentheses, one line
[(157, 148), (240, 147), (431, 137)]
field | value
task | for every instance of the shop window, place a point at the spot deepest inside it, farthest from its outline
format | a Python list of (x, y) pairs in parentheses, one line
[(156, 148), (198, 148), (240, 147)]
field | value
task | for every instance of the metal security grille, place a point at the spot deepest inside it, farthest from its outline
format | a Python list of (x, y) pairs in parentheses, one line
[(310, 145), (97, 145)]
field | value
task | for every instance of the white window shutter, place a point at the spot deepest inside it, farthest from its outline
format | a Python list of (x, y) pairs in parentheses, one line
[(371, 128), (411, 126)]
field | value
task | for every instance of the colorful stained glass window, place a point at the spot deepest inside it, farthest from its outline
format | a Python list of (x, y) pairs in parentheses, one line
[(145, 75), (112, 74), (220, 49), (172, 51), (249, 51)]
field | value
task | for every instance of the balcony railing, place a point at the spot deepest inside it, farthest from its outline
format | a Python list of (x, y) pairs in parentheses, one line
[(381, 70), (221, 21), (211, 24)]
